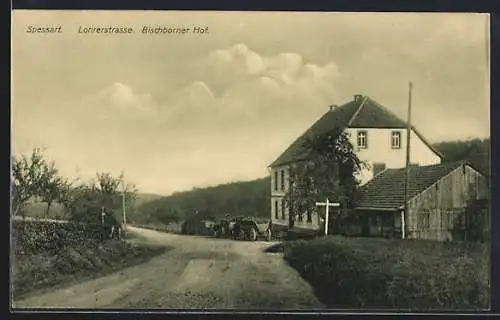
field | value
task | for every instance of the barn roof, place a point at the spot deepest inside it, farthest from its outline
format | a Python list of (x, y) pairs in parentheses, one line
[(386, 190), (362, 112)]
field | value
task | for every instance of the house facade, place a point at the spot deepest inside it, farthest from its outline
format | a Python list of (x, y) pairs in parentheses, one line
[(379, 139)]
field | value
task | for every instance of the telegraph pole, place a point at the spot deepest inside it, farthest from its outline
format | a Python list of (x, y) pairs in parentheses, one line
[(123, 202), (404, 214)]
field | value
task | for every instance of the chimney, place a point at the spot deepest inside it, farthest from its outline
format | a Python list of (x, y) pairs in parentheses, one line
[(332, 107), (358, 97)]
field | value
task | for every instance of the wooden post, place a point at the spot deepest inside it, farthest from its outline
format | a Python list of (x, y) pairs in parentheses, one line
[(327, 204), (404, 214), (123, 202)]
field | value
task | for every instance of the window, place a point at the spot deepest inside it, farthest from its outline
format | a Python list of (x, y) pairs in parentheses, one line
[(396, 140), (378, 167), (282, 180), (276, 209), (309, 216), (275, 180), (283, 209), (362, 139)]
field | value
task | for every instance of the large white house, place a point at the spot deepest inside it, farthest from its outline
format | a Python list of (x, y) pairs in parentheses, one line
[(379, 138)]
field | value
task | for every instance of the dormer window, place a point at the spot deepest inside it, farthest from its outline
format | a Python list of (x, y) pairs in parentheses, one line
[(362, 139), (396, 140)]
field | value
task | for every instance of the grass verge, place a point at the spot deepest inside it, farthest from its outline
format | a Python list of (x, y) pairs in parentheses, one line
[(395, 274), (35, 272)]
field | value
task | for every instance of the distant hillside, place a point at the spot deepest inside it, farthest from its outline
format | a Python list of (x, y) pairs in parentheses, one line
[(249, 198), (142, 198), (476, 151)]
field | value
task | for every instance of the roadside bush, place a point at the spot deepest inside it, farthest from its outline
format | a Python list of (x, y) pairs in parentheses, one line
[(38, 236), (380, 273)]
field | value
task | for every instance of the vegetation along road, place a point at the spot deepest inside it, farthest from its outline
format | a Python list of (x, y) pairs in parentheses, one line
[(197, 273)]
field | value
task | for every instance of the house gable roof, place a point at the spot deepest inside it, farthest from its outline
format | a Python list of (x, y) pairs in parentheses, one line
[(386, 190), (371, 114), (338, 118), (363, 112)]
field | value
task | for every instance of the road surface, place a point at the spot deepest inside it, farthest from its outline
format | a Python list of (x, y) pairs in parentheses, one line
[(198, 273)]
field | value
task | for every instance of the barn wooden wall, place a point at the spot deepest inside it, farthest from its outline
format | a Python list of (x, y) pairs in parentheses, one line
[(432, 214)]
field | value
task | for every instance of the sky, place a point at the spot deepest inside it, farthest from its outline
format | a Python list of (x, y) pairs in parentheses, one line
[(178, 111)]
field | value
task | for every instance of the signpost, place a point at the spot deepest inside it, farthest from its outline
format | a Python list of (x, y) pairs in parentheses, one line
[(103, 213), (327, 204)]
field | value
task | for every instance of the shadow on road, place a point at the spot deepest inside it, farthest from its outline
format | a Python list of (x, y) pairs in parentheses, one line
[(277, 248)]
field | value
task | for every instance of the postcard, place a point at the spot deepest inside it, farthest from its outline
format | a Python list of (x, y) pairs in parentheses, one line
[(263, 161)]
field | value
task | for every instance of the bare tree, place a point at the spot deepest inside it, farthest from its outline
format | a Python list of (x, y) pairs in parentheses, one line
[(52, 186), (26, 175)]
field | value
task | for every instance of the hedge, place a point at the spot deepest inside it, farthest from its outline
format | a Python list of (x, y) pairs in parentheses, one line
[(33, 236), (381, 273)]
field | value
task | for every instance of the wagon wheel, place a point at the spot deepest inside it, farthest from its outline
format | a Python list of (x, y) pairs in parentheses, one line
[(253, 234), (269, 235)]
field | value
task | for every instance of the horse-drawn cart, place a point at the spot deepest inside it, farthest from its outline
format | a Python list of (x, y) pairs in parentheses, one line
[(242, 229)]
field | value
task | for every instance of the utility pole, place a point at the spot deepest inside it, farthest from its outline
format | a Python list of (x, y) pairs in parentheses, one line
[(404, 214), (123, 202)]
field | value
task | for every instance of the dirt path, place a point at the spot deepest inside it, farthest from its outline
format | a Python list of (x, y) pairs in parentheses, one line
[(198, 273)]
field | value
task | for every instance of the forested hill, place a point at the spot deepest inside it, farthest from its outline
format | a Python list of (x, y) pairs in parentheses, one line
[(476, 151), (249, 198)]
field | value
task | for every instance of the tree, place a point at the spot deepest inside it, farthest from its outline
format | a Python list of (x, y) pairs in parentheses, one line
[(27, 175), (84, 202), (477, 151), (328, 170), (52, 186)]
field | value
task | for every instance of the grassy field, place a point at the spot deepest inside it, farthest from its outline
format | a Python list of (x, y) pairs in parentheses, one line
[(380, 273), (47, 255)]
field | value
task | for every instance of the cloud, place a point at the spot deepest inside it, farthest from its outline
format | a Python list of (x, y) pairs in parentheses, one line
[(235, 88), (286, 67), (246, 85), (222, 115), (123, 99), (119, 95)]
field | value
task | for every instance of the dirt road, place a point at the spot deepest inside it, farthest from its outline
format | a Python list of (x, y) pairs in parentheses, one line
[(198, 273)]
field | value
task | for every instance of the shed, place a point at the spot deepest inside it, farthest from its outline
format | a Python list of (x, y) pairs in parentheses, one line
[(438, 199)]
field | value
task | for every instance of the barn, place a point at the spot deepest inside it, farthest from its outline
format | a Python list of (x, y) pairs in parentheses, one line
[(439, 198)]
